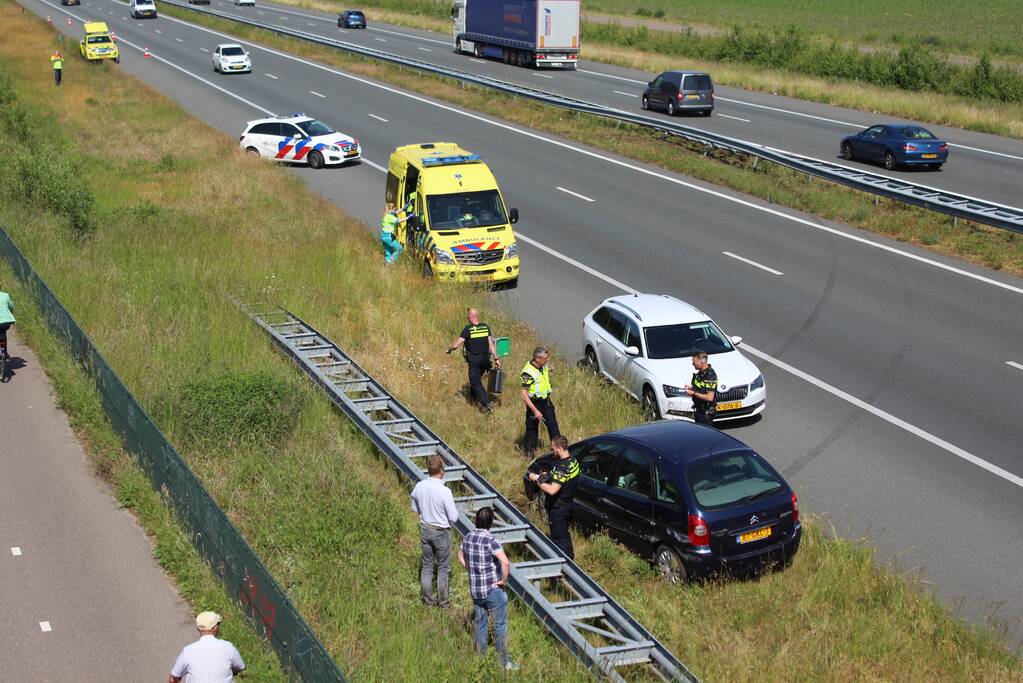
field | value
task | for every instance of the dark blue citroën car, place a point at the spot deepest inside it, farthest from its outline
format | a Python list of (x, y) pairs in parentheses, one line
[(694, 500)]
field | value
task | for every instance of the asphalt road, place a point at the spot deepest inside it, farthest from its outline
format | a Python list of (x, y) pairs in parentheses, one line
[(984, 166), (880, 359), (83, 599)]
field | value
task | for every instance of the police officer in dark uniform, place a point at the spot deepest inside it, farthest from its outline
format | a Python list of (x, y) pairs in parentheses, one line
[(479, 349), (559, 485), (703, 390)]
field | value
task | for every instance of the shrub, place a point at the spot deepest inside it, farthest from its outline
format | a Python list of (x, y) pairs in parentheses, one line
[(236, 407)]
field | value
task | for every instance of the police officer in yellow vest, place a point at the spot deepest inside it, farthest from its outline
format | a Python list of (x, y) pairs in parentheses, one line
[(536, 394), (479, 350), (389, 233), (703, 390), (559, 485), (58, 66)]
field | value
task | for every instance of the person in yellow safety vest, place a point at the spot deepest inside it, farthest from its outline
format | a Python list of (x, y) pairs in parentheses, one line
[(536, 394), (389, 233), (58, 66)]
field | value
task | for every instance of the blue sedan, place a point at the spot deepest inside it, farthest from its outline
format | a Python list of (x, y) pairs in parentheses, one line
[(693, 500), (896, 145)]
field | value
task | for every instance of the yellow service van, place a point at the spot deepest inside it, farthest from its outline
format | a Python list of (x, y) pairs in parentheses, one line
[(98, 43), (460, 230)]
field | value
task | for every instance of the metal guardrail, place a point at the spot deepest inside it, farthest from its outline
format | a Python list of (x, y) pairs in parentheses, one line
[(943, 201), (568, 603)]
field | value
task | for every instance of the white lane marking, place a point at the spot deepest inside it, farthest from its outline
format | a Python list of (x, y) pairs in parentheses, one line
[(542, 75), (179, 40), (594, 155), (16, 551), (309, 23), (342, 30), (45, 627), (478, 61), (627, 94), (373, 164), (1018, 366), (313, 92), (382, 40), (424, 49), (158, 31), (414, 37), (260, 13), (575, 194), (268, 75), (802, 114), (378, 118), (820, 384), (204, 49), (752, 263), (733, 117)]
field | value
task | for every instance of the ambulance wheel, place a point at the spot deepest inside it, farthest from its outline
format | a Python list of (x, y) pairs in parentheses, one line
[(315, 159), (427, 270), (117, 59)]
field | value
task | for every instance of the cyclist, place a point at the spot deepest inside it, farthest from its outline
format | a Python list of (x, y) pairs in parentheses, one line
[(6, 318)]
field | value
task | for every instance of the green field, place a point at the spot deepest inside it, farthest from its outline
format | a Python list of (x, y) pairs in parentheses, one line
[(957, 26), (143, 254)]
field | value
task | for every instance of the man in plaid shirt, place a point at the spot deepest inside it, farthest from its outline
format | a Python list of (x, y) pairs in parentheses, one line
[(481, 554)]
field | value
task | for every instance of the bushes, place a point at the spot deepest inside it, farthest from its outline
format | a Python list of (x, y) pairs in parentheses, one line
[(233, 408), (915, 67), (39, 170)]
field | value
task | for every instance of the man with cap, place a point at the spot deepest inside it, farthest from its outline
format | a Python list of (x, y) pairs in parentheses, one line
[(58, 66), (209, 659)]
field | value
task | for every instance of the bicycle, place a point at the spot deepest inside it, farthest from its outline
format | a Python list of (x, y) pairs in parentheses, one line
[(4, 356)]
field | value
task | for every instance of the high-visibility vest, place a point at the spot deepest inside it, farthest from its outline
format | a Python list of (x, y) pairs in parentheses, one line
[(389, 222), (541, 387), (58, 62)]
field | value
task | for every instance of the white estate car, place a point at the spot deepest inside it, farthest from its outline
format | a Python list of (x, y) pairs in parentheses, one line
[(231, 58), (139, 9), (250, 3), (298, 138), (645, 344)]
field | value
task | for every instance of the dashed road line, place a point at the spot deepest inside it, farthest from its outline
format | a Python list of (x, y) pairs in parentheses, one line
[(1018, 366), (270, 76), (752, 263), (729, 116), (478, 61), (382, 40), (543, 75), (424, 49), (45, 627), (378, 118), (576, 194), (627, 94), (16, 551), (179, 40), (313, 92), (204, 49)]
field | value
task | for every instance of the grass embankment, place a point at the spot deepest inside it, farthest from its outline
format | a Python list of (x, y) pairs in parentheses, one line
[(997, 249), (172, 229), (920, 80)]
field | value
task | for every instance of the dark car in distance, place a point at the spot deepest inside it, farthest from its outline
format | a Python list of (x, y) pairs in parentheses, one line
[(895, 145), (351, 18), (680, 91), (695, 501)]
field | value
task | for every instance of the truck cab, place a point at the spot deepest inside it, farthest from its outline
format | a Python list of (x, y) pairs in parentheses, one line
[(458, 228), (97, 43)]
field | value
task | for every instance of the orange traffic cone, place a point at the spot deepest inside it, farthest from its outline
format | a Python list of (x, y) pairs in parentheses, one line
[(145, 52), (48, 19), (113, 36)]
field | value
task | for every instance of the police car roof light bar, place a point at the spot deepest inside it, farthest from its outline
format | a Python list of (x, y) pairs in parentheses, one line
[(595, 628)]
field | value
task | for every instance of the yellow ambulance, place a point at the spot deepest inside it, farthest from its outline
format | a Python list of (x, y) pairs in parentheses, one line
[(98, 43), (460, 230)]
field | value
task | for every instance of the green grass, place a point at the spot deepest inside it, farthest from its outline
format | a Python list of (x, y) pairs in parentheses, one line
[(951, 26), (327, 515)]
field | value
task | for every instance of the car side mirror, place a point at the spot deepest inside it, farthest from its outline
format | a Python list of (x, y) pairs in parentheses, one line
[(735, 340), (631, 350), (650, 84), (513, 215)]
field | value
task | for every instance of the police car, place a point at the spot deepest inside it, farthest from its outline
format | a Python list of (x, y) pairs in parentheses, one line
[(300, 139)]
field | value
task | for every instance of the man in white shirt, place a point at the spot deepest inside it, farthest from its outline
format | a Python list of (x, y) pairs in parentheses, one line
[(209, 659), (435, 505)]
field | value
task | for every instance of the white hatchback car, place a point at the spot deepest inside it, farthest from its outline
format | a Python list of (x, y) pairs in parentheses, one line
[(645, 344), (231, 58), (298, 138), (250, 3)]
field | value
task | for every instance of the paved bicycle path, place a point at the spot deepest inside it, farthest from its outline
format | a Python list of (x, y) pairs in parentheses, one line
[(81, 597)]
